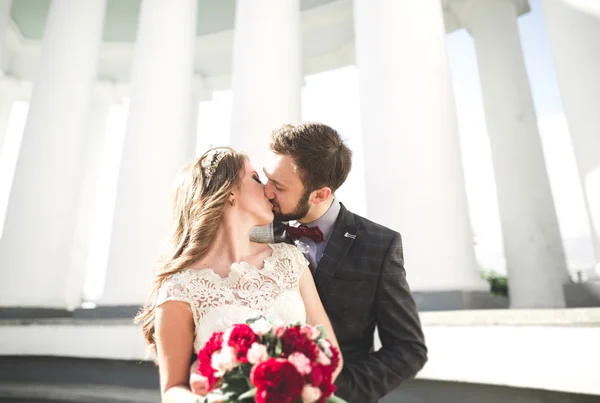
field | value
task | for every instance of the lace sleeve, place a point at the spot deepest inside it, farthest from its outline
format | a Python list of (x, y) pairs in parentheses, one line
[(199, 288), (174, 289)]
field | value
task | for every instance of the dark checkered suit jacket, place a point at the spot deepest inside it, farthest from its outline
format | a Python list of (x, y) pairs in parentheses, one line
[(362, 283)]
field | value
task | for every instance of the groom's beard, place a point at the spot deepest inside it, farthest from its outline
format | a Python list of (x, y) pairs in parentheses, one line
[(299, 211)]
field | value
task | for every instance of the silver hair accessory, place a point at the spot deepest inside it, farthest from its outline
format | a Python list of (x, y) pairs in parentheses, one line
[(211, 161)]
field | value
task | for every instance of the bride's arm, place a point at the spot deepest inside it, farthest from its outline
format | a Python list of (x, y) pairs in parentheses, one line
[(316, 312), (174, 346)]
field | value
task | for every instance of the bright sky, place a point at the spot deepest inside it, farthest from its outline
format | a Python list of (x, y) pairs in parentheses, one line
[(332, 98)]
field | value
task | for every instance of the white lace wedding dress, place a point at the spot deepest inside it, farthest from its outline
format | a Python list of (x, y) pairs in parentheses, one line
[(246, 292)]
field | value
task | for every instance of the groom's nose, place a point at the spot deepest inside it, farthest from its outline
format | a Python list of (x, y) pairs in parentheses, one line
[(269, 190)]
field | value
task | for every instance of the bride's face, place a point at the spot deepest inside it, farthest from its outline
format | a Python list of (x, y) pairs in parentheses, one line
[(250, 197)]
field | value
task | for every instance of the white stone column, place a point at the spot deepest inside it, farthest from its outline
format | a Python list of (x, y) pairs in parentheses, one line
[(38, 234), (5, 6), (11, 132), (199, 94), (104, 96), (533, 247), (414, 176), (194, 108), (8, 93), (157, 144), (575, 44), (267, 72)]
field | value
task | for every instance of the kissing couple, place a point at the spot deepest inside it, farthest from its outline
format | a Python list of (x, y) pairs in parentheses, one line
[(288, 250)]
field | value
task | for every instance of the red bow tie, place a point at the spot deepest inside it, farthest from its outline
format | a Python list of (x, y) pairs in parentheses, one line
[(313, 233)]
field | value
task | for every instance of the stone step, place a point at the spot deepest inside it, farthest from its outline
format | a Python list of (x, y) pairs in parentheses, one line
[(80, 393)]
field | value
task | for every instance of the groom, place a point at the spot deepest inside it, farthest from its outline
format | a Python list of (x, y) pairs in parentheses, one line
[(358, 265)]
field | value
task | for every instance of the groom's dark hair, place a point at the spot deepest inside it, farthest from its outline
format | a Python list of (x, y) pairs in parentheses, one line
[(320, 154)]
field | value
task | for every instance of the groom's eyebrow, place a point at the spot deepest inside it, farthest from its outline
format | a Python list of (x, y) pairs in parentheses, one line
[(271, 179)]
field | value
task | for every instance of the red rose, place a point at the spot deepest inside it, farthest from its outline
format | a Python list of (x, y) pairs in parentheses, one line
[(205, 358), (293, 341), (321, 377), (327, 387), (277, 381), (215, 342), (241, 339), (316, 375), (335, 357)]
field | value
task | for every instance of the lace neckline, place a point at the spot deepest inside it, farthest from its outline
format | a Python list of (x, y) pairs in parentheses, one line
[(238, 268)]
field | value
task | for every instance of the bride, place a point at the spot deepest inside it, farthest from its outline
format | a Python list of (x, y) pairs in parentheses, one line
[(212, 276)]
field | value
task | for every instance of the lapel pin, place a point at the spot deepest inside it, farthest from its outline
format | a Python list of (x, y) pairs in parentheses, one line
[(349, 235)]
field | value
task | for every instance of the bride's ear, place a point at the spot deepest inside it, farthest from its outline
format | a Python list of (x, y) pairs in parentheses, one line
[(231, 199)]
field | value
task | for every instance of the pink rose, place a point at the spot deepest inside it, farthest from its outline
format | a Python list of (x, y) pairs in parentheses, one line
[(310, 394), (301, 362), (279, 330), (224, 360), (309, 331), (257, 353)]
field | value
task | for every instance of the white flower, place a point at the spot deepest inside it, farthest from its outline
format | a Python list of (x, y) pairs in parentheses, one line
[(257, 353), (310, 394), (324, 343), (226, 336), (224, 360), (278, 323), (261, 327)]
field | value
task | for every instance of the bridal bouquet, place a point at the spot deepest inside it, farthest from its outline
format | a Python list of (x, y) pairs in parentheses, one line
[(269, 362)]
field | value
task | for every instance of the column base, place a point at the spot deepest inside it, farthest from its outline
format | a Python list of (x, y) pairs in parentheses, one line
[(458, 300), (107, 312), (101, 312), (583, 295), (577, 295), (57, 373), (33, 313)]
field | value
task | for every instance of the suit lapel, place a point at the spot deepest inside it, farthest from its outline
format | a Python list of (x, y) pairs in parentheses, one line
[(342, 237)]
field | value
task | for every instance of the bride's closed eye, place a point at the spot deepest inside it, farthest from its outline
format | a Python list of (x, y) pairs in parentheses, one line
[(256, 178)]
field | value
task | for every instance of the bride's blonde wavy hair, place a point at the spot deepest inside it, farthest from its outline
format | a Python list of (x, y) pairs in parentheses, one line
[(202, 192)]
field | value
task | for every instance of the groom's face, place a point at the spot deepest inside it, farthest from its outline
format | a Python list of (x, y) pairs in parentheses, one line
[(284, 188)]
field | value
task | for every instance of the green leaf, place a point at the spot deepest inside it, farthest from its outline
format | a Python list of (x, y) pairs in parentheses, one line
[(252, 320), (278, 348), (248, 394), (322, 332), (335, 399)]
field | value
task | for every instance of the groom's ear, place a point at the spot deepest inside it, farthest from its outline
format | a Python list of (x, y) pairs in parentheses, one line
[(320, 195)]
